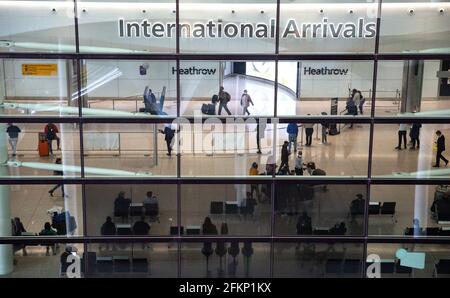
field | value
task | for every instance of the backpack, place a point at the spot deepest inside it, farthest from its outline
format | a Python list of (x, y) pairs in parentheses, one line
[(51, 132), (215, 99), (227, 97)]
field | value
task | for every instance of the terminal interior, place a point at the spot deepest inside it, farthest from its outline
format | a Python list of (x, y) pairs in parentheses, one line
[(209, 151)]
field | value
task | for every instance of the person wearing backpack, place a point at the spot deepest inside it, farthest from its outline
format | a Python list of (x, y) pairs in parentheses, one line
[(224, 98), (246, 100), (51, 131)]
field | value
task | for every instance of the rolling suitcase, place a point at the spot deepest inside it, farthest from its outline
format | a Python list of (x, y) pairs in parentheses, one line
[(208, 109), (43, 145)]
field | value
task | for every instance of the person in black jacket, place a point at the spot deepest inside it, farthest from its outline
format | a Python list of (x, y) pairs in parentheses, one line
[(440, 142), (284, 156), (414, 133), (108, 229), (304, 224), (169, 134), (58, 161)]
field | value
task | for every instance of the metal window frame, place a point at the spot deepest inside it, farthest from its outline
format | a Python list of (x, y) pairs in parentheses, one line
[(178, 57)]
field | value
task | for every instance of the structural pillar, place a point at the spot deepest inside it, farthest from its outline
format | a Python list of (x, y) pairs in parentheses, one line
[(412, 86), (72, 83), (6, 251)]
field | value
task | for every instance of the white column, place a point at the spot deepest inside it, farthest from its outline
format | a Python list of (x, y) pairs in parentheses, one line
[(6, 253)]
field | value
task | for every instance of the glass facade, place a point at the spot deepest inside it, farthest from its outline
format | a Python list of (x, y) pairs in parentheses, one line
[(163, 138)]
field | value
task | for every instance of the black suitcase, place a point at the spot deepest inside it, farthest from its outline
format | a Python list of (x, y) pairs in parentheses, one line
[(208, 109)]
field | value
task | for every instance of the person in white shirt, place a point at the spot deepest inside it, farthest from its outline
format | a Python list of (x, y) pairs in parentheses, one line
[(246, 100), (402, 129)]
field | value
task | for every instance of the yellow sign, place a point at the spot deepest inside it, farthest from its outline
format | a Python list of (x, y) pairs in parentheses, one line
[(39, 69)]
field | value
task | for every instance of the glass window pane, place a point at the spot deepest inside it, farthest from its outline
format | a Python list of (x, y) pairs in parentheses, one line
[(227, 207), (430, 260), (139, 210), (419, 210), (37, 26), (129, 88), (399, 153), (132, 260), (201, 80), (48, 261), (227, 26), (138, 27), (319, 209), (307, 259), (32, 206), (412, 88), (127, 150), (306, 26), (242, 260), (30, 87), (318, 87), (40, 149), (414, 26)]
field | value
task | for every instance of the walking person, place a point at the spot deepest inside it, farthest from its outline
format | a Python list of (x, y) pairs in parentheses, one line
[(299, 164), (356, 97), (309, 130), (292, 130), (246, 100), (169, 133), (325, 127), (13, 133), (224, 99), (51, 131), (284, 157), (58, 161), (402, 129), (414, 135), (440, 147), (260, 131)]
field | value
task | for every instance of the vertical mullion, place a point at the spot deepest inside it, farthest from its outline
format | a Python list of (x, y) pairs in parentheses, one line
[(177, 51), (274, 127), (371, 138)]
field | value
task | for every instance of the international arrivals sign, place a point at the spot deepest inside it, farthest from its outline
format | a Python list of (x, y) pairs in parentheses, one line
[(218, 29)]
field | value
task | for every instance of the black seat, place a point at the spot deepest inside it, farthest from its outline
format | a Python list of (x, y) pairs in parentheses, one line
[(152, 210), (136, 210), (233, 250), (321, 231), (352, 266), (105, 265), (247, 250), (174, 230), (399, 269), (432, 231), (443, 266), (444, 232), (216, 207), (122, 264), (140, 265), (374, 209), (388, 208), (231, 208), (333, 266)]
